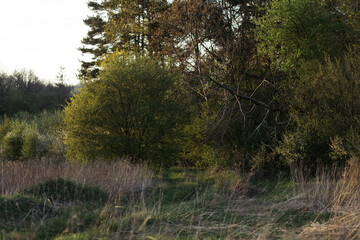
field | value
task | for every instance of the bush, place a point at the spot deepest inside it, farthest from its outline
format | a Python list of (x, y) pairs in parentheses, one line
[(198, 152), (50, 126), (11, 145), (326, 108), (130, 110), (293, 32), (30, 142), (4, 128), (30, 136)]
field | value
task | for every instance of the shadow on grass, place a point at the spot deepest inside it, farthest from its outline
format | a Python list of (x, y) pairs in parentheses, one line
[(46, 210)]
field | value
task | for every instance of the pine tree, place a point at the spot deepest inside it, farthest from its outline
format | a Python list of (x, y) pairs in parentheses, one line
[(121, 25), (132, 25), (95, 42)]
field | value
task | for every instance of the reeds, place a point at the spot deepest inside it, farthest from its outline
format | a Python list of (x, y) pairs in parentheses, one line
[(345, 207), (113, 177), (316, 191)]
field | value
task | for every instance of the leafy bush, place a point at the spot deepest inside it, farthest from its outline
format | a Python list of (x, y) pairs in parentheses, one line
[(50, 126), (326, 109), (30, 142), (4, 127), (29, 136), (130, 110), (293, 32), (11, 145)]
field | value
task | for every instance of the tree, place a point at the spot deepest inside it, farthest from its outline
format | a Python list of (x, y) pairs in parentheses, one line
[(129, 110), (296, 32), (61, 76), (326, 107), (95, 42), (23, 91), (120, 25), (132, 24), (213, 44)]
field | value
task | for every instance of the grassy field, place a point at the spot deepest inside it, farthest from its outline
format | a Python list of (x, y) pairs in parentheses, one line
[(174, 204)]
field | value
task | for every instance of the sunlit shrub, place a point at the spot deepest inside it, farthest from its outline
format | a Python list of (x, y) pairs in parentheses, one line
[(131, 110), (30, 142), (11, 145)]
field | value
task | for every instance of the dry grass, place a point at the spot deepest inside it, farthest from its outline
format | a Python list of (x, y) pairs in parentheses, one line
[(113, 177), (345, 222), (314, 191)]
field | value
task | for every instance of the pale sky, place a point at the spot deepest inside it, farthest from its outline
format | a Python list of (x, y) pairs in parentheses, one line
[(42, 35)]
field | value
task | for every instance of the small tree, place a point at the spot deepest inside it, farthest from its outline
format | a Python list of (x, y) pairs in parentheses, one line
[(12, 142), (129, 110)]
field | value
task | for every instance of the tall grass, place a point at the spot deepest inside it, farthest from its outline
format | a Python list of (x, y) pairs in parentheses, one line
[(113, 177), (345, 207), (315, 191)]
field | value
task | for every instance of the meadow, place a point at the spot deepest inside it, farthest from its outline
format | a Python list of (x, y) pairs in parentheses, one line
[(52, 199)]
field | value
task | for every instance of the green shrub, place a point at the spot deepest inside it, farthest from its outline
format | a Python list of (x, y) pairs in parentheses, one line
[(325, 112), (32, 135), (294, 32), (198, 149), (130, 110), (11, 145), (4, 128), (49, 122), (50, 126), (30, 142)]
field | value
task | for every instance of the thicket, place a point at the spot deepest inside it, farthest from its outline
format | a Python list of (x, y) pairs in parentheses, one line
[(31, 115), (28, 136)]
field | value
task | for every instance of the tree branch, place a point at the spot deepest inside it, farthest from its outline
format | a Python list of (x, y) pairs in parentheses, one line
[(241, 95)]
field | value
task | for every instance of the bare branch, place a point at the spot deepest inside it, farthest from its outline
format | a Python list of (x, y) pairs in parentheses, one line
[(241, 95)]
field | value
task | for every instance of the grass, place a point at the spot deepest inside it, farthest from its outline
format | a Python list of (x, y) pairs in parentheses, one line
[(179, 204), (61, 190), (344, 222), (115, 178)]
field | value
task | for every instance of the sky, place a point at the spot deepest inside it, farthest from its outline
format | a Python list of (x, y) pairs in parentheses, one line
[(42, 35)]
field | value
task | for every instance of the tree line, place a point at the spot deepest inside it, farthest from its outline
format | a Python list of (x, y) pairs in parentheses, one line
[(24, 91), (255, 84), (266, 83)]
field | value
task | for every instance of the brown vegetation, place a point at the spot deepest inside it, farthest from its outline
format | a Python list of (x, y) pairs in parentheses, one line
[(113, 177), (345, 208)]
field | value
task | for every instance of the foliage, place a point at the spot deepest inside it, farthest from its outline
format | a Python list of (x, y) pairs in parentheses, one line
[(29, 136), (130, 110), (95, 41), (30, 142), (197, 151), (11, 144), (325, 110), (130, 26), (294, 32), (23, 91)]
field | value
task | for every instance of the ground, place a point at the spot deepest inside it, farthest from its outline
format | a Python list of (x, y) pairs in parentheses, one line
[(180, 204)]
